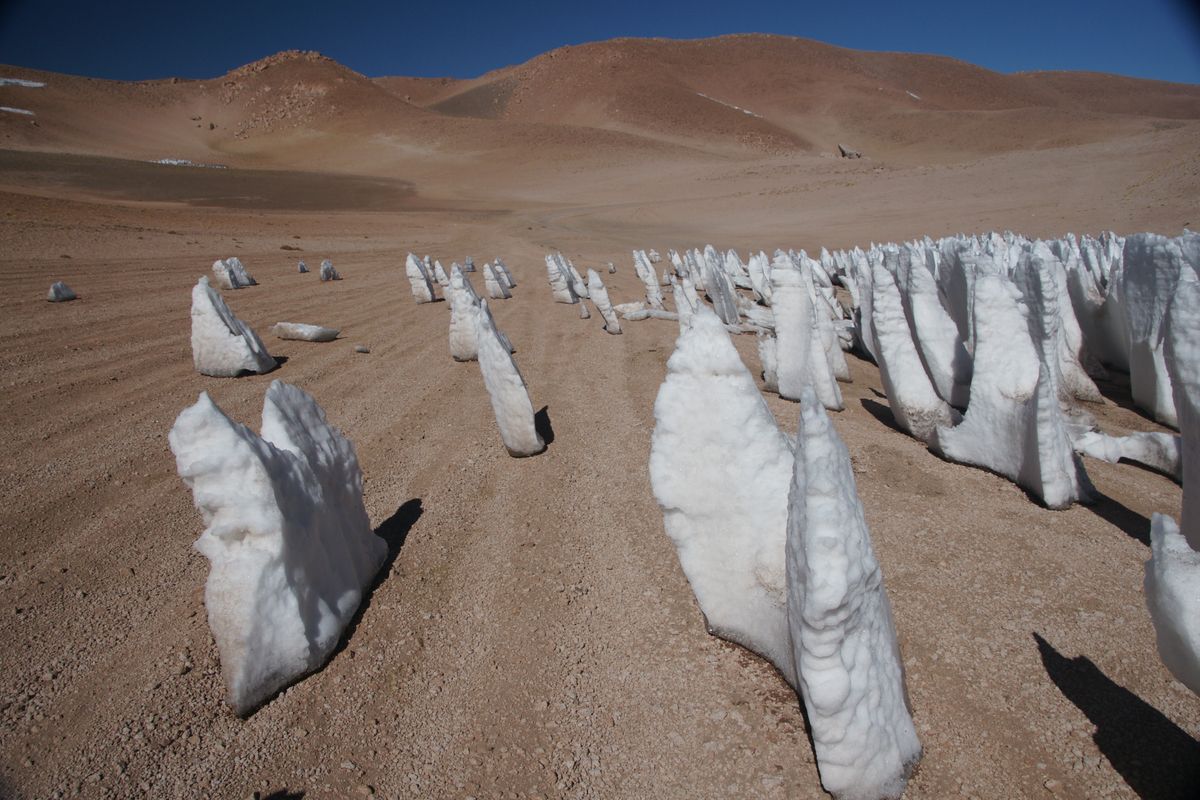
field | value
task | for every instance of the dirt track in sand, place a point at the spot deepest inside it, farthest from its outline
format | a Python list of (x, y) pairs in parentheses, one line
[(533, 634)]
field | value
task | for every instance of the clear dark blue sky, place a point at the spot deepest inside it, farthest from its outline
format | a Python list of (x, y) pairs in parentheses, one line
[(203, 39)]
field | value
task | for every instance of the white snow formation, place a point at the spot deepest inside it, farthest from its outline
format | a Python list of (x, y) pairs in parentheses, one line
[(560, 279), (645, 273), (508, 278), (1182, 355), (222, 345), (507, 390), (1014, 425), (843, 639), (1172, 587), (768, 355), (231, 274), (720, 469), (802, 357), (287, 536), (469, 264), (302, 267), (464, 311), (60, 293), (418, 279), (1158, 451), (439, 274), (933, 331), (304, 332), (496, 289), (915, 404), (328, 273), (24, 111), (583, 310), (27, 84), (599, 293), (577, 283), (650, 313)]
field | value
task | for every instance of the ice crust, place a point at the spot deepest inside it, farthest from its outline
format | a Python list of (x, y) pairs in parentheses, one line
[(843, 638), (915, 403), (304, 332), (60, 293), (230, 273), (287, 536), (418, 279), (222, 345), (1172, 587), (507, 390), (720, 469), (599, 293)]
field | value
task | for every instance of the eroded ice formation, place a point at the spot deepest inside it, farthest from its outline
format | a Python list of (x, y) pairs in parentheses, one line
[(1182, 354), (915, 404), (304, 332), (418, 279), (560, 279), (843, 638), (464, 310), (222, 345), (301, 267), (497, 289), (802, 359), (229, 273), (599, 293), (60, 293), (720, 469), (328, 273), (645, 273), (1172, 587), (1158, 451), (507, 390), (287, 536)]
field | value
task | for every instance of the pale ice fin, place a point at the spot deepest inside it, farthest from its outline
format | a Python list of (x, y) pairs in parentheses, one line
[(506, 389), (599, 293), (222, 345)]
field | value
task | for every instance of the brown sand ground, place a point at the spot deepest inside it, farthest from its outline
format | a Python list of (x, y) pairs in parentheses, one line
[(532, 634)]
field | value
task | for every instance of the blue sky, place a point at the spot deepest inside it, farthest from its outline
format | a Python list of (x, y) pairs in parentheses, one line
[(138, 39)]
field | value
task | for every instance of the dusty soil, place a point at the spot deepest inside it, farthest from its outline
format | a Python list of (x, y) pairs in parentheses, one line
[(532, 634)]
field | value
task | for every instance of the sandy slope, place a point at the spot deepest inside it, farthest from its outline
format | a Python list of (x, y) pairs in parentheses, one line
[(533, 634)]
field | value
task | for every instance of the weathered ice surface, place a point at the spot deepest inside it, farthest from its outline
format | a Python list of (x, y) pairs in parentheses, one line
[(464, 309), (328, 273), (599, 293), (946, 359), (645, 273), (583, 310), (720, 468), (577, 282), (1151, 270), (768, 355), (287, 536), (222, 345), (229, 273), (506, 388), (721, 294), (650, 313), (418, 279), (560, 279), (915, 404), (1182, 355), (302, 267), (1014, 425), (439, 274), (508, 278), (304, 332), (1172, 589), (1158, 451), (843, 639), (801, 354), (496, 289), (60, 293)]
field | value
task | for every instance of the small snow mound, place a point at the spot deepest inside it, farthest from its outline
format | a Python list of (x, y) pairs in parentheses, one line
[(60, 293), (21, 82), (183, 162)]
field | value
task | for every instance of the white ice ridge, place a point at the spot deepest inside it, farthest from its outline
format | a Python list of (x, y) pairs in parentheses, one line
[(301, 267), (21, 82), (464, 309), (328, 272), (222, 345), (304, 332), (912, 95), (933, 331), (60, 293), (1172, 587), (915, 404), (1182, 353), (508, 278), (496, 288), (645, 273), (1158, 451), (287, 536), (729, 105), (599, 295), (183, 162), (802, 360), (230, 273), (1014, 425), (720, 469), (843, 638), (560, 279), (12, 110), (507, 390), (418, 279), (439, 274)]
